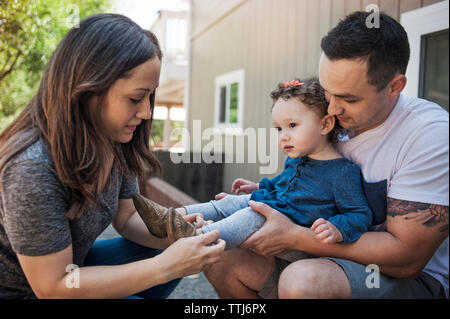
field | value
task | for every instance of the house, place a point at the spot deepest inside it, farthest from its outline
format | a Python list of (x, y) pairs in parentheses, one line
[(241, 49), (171, 30)]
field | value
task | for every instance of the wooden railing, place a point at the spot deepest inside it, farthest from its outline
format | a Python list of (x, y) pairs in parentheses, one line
[(165, 194)]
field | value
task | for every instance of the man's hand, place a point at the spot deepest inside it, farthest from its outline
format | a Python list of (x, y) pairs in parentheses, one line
[(275, 236)]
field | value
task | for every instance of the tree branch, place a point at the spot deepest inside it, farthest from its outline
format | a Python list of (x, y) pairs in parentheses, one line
[(4, 73)]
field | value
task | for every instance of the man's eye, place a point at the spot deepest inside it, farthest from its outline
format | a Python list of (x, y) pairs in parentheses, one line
[(351, 101), (292, 125)]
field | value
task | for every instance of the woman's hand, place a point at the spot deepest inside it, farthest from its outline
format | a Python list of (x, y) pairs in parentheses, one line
[(276, 235), (243, 185), (192, 255), (197, 220)]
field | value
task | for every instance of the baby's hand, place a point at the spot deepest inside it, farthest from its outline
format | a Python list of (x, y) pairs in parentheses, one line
[(326, 231), (243, 185)]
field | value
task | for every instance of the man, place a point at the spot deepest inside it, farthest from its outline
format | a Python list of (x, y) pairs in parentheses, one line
[(401, 145)]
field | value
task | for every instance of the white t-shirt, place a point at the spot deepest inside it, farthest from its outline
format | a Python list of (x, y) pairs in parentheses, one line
[(411, 151)]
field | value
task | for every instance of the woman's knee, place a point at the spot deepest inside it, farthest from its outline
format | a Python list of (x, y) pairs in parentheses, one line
[(313, 278)]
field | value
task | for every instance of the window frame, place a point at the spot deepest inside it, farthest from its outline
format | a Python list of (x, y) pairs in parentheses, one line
[(417, 23), (227, 79)]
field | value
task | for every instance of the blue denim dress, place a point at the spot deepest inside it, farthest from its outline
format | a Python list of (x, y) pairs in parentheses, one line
[(309, 189)]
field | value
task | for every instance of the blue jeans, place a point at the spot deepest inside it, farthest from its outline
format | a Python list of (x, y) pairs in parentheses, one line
[(119, 251), (232, 217)]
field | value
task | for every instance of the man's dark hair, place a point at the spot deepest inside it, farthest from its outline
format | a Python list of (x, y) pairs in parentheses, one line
[(386, 48)]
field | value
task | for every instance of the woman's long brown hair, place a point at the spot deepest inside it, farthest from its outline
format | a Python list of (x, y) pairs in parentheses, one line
[(86, 63)]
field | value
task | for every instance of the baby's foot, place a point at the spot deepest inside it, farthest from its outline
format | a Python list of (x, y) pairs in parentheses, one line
[(153, 215), (177, 227), (326, 231)]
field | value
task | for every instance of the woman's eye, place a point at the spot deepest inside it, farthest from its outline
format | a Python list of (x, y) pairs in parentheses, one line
[(135, 101), (292, 125)]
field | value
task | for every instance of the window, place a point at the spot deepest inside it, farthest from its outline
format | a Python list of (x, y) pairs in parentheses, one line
[(427, 73), (229, 97), (433, 82)]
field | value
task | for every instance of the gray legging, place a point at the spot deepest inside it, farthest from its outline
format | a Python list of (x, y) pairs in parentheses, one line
[(232, 216)]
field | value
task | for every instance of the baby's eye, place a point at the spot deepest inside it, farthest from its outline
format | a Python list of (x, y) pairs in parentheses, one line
[(278, 129), (292, 125)]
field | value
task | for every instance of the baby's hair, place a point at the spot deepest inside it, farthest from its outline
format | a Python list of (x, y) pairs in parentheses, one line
[(312, 95)]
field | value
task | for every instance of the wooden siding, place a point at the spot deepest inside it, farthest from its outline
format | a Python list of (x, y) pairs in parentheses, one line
[(273, 41), (209, 12)]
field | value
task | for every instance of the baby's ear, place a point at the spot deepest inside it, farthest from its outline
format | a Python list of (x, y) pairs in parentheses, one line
[(328, 122)]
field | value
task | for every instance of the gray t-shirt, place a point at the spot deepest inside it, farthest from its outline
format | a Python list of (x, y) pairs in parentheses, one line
[(32, 215)]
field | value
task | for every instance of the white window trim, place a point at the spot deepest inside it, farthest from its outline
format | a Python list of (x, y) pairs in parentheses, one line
[(225, 80), (419, 22)]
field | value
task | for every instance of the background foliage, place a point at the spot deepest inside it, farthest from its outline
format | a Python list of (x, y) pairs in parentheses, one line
[(30, 30)]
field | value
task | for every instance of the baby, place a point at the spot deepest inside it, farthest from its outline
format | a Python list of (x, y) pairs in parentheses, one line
[(318, 188)]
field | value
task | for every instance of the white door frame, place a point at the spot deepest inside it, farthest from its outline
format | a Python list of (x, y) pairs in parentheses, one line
[(419, 22)]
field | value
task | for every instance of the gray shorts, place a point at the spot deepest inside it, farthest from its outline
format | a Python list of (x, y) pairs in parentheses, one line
[(423, 286)]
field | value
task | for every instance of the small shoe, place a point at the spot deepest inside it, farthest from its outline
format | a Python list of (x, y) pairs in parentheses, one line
[(178, 227), (153, 215)]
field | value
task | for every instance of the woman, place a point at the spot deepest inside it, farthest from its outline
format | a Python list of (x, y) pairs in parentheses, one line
[(69, 166)]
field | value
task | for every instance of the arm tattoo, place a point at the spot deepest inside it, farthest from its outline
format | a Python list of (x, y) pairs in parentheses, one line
[(428, 214)]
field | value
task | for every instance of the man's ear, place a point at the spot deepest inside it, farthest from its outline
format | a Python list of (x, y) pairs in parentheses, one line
[(397, 85), (328, 122)]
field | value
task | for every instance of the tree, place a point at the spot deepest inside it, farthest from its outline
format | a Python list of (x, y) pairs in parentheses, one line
[(30, 30)]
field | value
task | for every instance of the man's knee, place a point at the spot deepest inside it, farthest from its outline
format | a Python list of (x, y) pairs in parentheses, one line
[(236, 260), (219, 272), (313, 278), (238, 271)]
